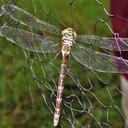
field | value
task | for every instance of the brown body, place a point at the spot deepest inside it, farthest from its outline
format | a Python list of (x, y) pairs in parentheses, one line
[(67, 41)]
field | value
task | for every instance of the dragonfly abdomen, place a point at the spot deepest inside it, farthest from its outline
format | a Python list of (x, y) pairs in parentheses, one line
[(60, 93)]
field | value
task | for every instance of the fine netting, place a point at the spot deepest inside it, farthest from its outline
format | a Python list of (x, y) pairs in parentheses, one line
[(90, 99)]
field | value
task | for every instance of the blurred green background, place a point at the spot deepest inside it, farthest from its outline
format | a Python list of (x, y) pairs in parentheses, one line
[(21, 101)]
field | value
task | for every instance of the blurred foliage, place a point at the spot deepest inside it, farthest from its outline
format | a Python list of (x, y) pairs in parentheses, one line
[(17, 108)]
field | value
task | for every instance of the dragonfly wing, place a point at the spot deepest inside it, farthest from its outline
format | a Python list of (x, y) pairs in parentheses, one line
[(116, 44), (99, 61), (29, 40), (28, 19)]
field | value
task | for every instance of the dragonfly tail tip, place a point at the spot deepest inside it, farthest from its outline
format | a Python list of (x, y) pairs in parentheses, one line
[(56, 121)]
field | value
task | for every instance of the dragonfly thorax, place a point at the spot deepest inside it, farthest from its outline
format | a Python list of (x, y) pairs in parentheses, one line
[(68, 38)]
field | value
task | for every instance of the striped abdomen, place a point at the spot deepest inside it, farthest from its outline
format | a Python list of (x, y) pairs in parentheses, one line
[(60, 91)]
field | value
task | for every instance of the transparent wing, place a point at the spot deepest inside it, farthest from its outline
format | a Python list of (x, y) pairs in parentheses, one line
[(99, 61), (116, 44), (29, 41), (28, 19)]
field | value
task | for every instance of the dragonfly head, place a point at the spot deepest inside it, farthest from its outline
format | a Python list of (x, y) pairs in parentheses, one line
[(69, 32)]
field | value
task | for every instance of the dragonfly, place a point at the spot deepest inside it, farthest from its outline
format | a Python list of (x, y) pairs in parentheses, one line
[(71, 44)]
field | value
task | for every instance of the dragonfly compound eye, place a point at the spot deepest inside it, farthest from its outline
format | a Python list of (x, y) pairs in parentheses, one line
[(69, 32)]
